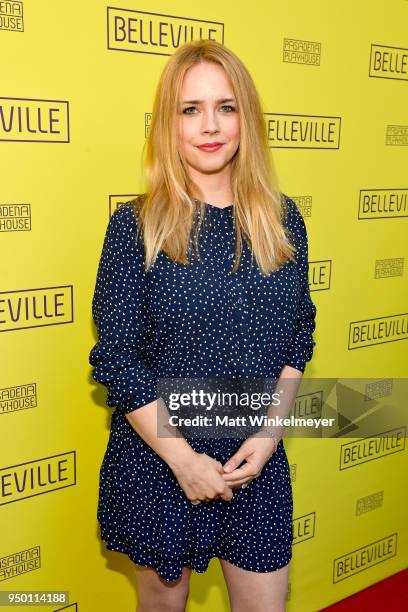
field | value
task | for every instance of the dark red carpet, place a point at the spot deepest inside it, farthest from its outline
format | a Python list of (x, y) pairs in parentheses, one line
[(389, 594)]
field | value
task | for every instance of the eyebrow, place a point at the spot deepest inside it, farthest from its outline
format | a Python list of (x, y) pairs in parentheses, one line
[(199, 101)]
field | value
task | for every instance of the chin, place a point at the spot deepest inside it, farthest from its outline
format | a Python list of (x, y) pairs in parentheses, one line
[(211, 169), (211, 165)]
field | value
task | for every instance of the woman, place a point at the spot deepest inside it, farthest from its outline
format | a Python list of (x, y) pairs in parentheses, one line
[(204, 276)]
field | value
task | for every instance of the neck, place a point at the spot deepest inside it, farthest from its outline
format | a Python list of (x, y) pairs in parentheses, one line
[(213, 188)]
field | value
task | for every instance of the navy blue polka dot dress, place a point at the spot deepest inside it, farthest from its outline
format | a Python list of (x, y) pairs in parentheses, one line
[(194, 321)]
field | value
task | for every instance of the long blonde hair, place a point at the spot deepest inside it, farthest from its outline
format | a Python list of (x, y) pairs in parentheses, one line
[(166, 213)]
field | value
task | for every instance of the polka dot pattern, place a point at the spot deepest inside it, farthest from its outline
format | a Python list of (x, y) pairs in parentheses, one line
[(196, 321)]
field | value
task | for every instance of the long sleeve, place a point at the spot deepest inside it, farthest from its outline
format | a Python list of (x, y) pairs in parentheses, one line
[(302, 344), (120, 315)]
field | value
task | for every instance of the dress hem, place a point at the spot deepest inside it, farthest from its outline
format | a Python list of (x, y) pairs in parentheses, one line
[(197, 561)]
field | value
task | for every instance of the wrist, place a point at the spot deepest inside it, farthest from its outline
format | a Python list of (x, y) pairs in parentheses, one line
[(275, 441), (266, 432), (182, 458)]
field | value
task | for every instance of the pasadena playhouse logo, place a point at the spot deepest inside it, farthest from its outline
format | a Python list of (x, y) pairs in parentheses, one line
[(11, 16), (18, 397), (396, 136), (34, 120), (26, 308), (369, 503), (387, 268), (304, 204), (15, 217), (20, 562), (379, 388), (301, 51), (156, 33), (289, 131)]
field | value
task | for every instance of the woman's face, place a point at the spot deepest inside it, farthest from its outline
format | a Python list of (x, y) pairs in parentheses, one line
[(208, 114)]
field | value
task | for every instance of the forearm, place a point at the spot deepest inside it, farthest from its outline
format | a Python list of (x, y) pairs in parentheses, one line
[(151, 423), (288, 383)]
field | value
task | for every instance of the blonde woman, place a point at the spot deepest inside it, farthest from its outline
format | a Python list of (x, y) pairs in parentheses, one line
[(203, 276)]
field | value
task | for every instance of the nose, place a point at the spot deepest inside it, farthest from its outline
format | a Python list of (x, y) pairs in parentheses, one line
[(209, 122)]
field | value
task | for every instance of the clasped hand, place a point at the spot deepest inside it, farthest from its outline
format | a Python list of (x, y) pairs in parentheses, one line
[(206, 479)]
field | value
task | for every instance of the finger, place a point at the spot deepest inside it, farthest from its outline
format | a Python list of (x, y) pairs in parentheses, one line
[(236, 459), (245, 481), (246, 471), (227, 495)]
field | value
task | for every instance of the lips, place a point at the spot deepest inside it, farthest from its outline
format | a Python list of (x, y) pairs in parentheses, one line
[(209, 147)]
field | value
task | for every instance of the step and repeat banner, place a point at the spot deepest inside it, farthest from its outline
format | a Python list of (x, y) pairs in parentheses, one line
[(77, 85)]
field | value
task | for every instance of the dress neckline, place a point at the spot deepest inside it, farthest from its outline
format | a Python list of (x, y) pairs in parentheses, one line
[(214, 206)]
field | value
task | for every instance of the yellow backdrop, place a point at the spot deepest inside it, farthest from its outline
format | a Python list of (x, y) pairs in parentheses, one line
[(78, 80)]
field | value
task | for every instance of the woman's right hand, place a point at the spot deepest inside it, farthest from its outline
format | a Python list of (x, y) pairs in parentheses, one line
[(201, 479)]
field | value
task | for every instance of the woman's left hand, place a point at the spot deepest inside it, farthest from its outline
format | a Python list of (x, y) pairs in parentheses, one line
[(255, 452)]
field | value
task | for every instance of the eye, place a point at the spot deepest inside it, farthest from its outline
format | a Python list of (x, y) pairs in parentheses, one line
[(187, 109)]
